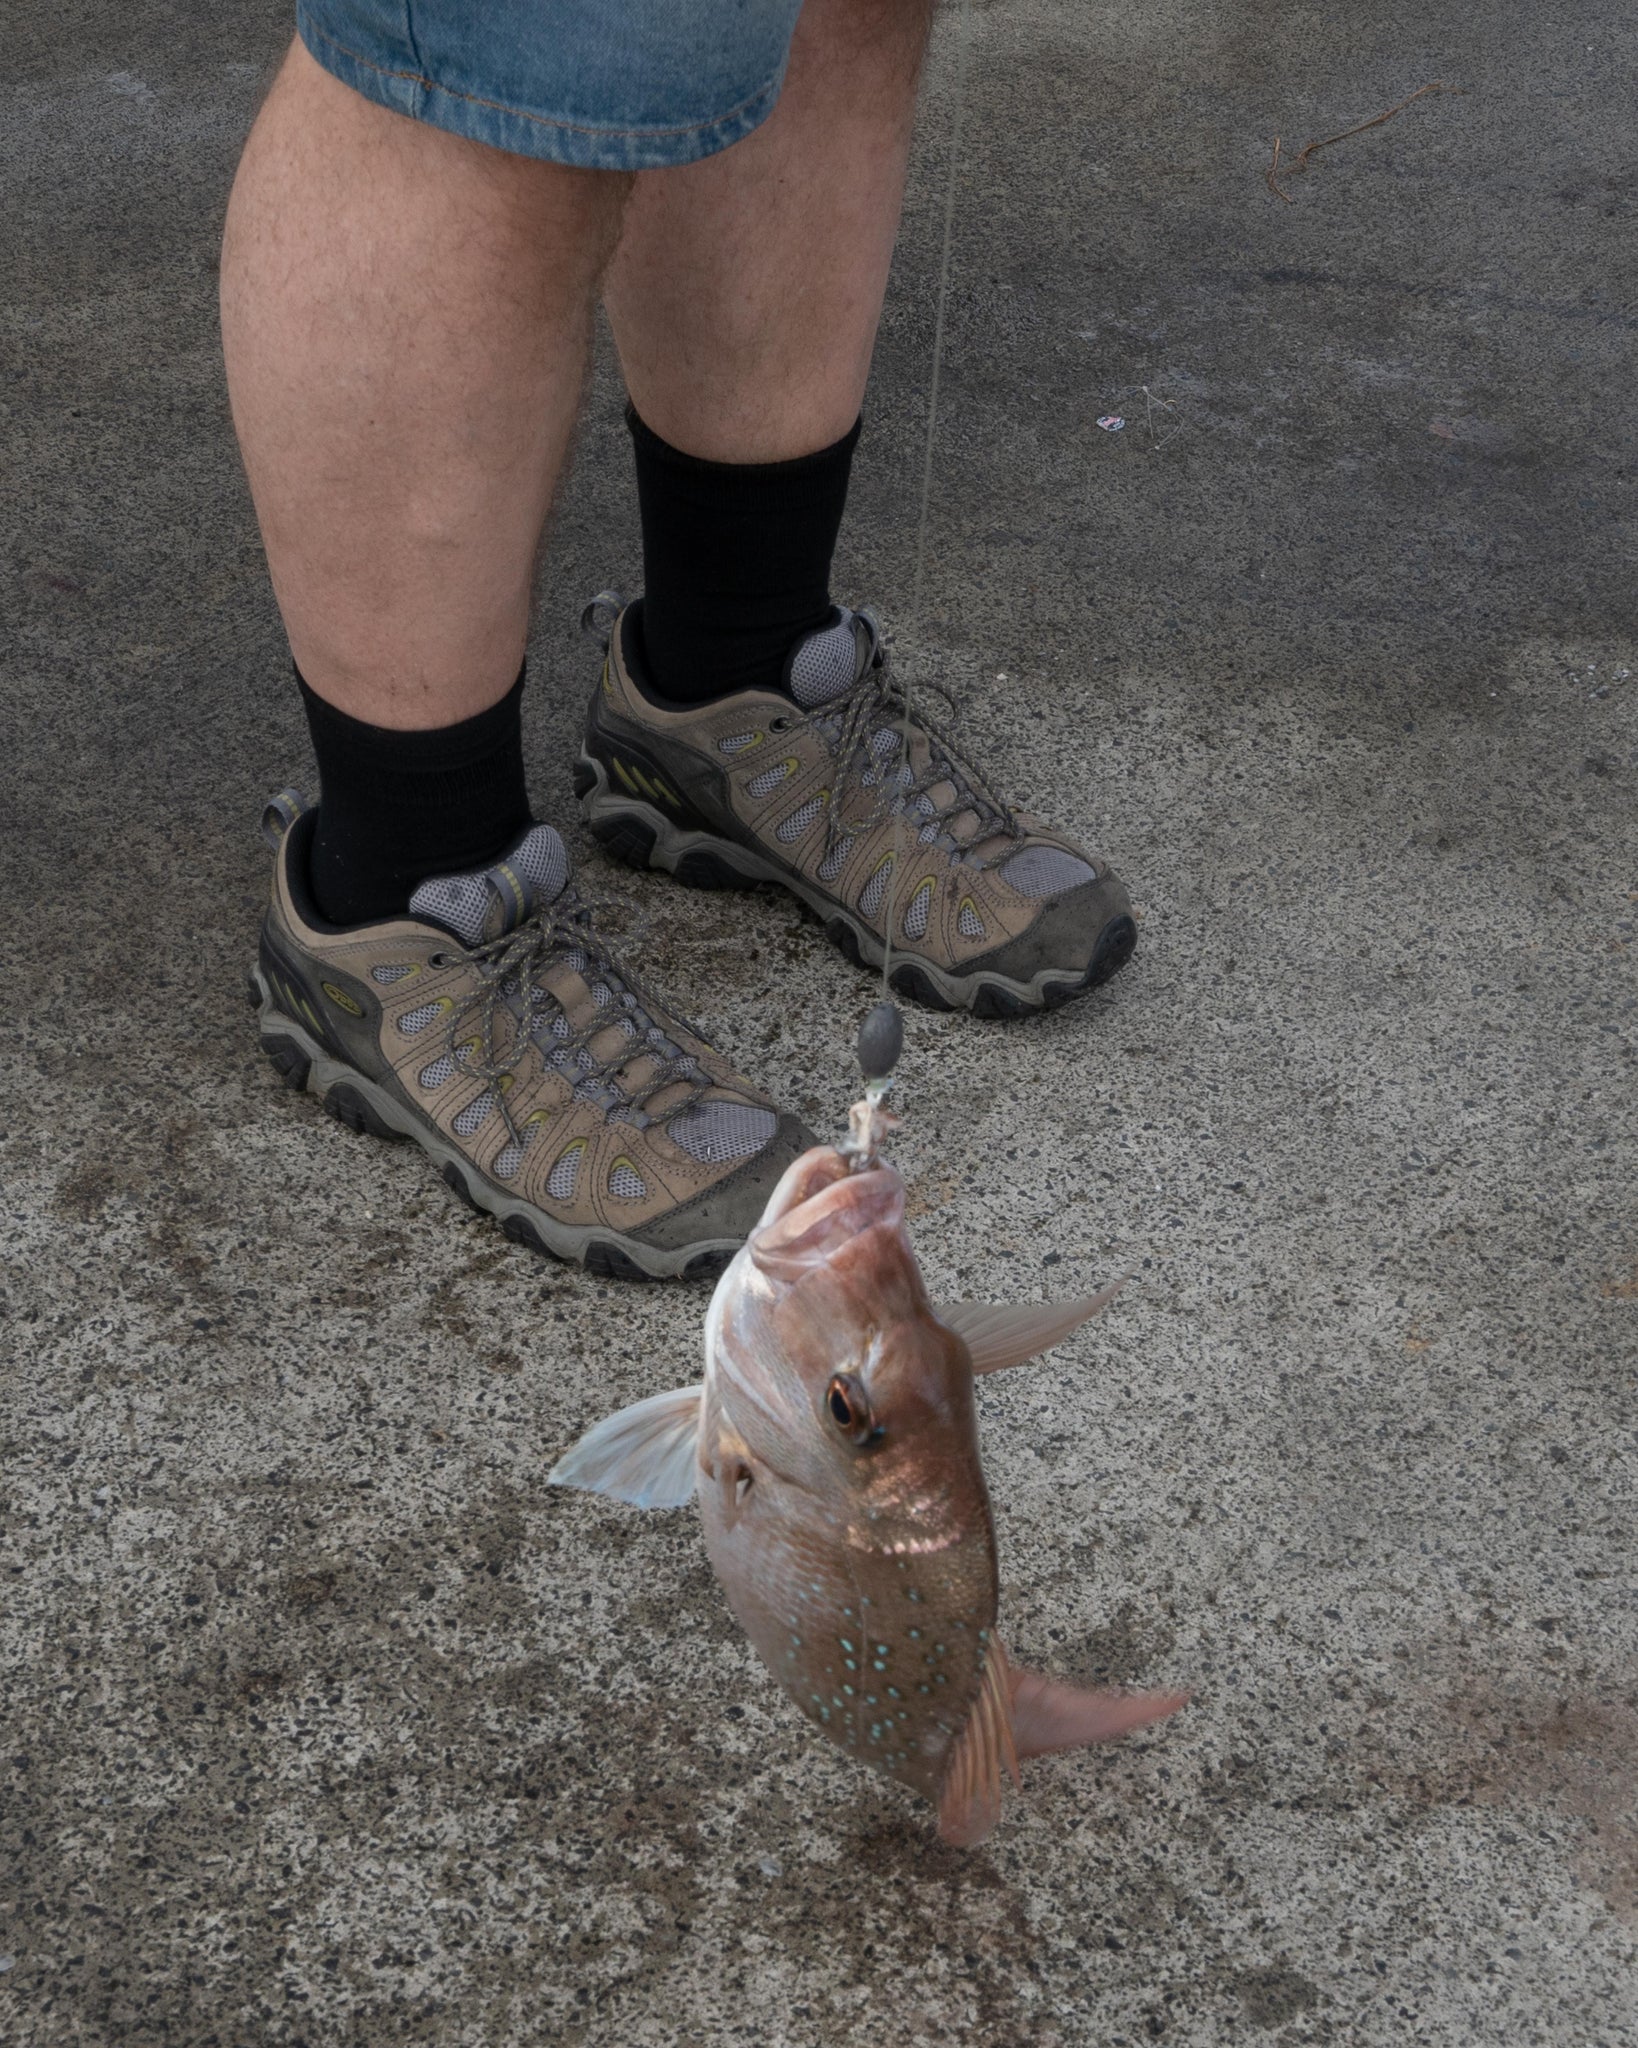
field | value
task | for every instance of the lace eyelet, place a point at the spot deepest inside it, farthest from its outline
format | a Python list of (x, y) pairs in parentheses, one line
[(781, 723), (441, 960)]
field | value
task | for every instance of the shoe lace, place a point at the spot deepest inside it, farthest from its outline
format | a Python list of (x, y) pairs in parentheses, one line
[(854, 723), (510, 1006)]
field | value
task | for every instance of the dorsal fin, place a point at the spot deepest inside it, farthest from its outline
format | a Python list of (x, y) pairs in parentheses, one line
[(644, 1454), (969, 1802), (999, 1334)]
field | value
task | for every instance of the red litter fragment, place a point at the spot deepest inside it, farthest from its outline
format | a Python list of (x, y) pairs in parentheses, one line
[(1111, 423), (1439, 427)]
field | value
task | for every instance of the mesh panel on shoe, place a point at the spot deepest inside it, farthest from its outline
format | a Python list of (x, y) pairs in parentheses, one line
[(799, 820), (826, 663), (389, 974), (719, 1131), (968, 922), (834, 861), (510, 1156), (542, 858), (474, 1113), (418, 1020), (915, 917), (870, 898), (458, 902), (733, 743), (625, 1182), (1041, 871), (560, 1181), (436, 1072), (769, 779), (483, 903)]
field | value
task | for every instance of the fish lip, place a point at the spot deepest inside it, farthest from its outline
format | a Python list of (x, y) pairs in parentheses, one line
[(806, 1232), (814, 1170)]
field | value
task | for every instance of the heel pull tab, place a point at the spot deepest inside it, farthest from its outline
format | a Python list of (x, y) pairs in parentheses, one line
[(279, 813), (599, 616)]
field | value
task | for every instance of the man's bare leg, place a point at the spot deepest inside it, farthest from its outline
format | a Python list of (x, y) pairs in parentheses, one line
[(747, 289), (405, 318)]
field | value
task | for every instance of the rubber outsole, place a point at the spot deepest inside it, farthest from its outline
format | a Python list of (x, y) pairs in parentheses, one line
[(639, 836), (304, 1065)]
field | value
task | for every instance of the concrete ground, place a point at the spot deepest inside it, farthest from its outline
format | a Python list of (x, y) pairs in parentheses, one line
[(325, 1719)]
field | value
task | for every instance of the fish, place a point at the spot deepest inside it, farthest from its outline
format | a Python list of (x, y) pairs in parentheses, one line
[(833, 1449)]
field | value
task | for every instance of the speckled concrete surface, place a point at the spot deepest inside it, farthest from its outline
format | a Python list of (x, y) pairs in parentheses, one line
[(325, 1721)]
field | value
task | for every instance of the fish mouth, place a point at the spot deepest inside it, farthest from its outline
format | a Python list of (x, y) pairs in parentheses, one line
[(820, 1206)]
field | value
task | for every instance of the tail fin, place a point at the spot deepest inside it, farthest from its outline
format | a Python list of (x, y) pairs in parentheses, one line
[(1048, 1716), (1023, 1713)]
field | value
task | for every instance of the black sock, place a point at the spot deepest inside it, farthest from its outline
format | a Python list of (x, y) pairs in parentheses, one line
[(396, 807), (736, 562)]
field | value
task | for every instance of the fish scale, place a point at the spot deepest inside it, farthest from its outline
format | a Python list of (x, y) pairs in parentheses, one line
[(881, 1665)]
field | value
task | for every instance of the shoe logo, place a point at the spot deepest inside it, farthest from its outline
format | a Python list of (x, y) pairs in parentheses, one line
[(341, 999), (652, 785), (295, 1004)]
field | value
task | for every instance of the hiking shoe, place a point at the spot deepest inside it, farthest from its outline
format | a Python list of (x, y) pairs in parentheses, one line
[(879, 823), (492, 1026)]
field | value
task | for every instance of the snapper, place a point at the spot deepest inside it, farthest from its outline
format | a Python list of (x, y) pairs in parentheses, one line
[(833, 1446)]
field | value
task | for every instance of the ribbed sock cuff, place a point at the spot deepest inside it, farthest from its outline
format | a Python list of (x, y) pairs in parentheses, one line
[(396, 806), (736, 560)]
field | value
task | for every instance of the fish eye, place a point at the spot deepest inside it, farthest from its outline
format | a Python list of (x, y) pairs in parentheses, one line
[(850, 1409)]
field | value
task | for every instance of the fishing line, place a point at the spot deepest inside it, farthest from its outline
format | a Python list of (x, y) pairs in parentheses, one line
[(919, 561)]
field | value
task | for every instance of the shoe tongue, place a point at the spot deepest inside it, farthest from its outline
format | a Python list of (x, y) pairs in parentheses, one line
[(486, 903), (822, 665)]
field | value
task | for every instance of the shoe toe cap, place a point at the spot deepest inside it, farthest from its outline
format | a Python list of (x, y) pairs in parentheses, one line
[(732, 1207), (1079, 939)]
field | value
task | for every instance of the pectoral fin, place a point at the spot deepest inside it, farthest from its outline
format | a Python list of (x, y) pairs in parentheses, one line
[(645, 1454), (1003, 1334)]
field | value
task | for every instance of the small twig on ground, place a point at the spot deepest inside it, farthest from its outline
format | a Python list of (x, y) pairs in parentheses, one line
[(1150, 402), (1300, 161)]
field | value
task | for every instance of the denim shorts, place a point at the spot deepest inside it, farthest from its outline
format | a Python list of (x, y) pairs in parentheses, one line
[(610, 85)]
